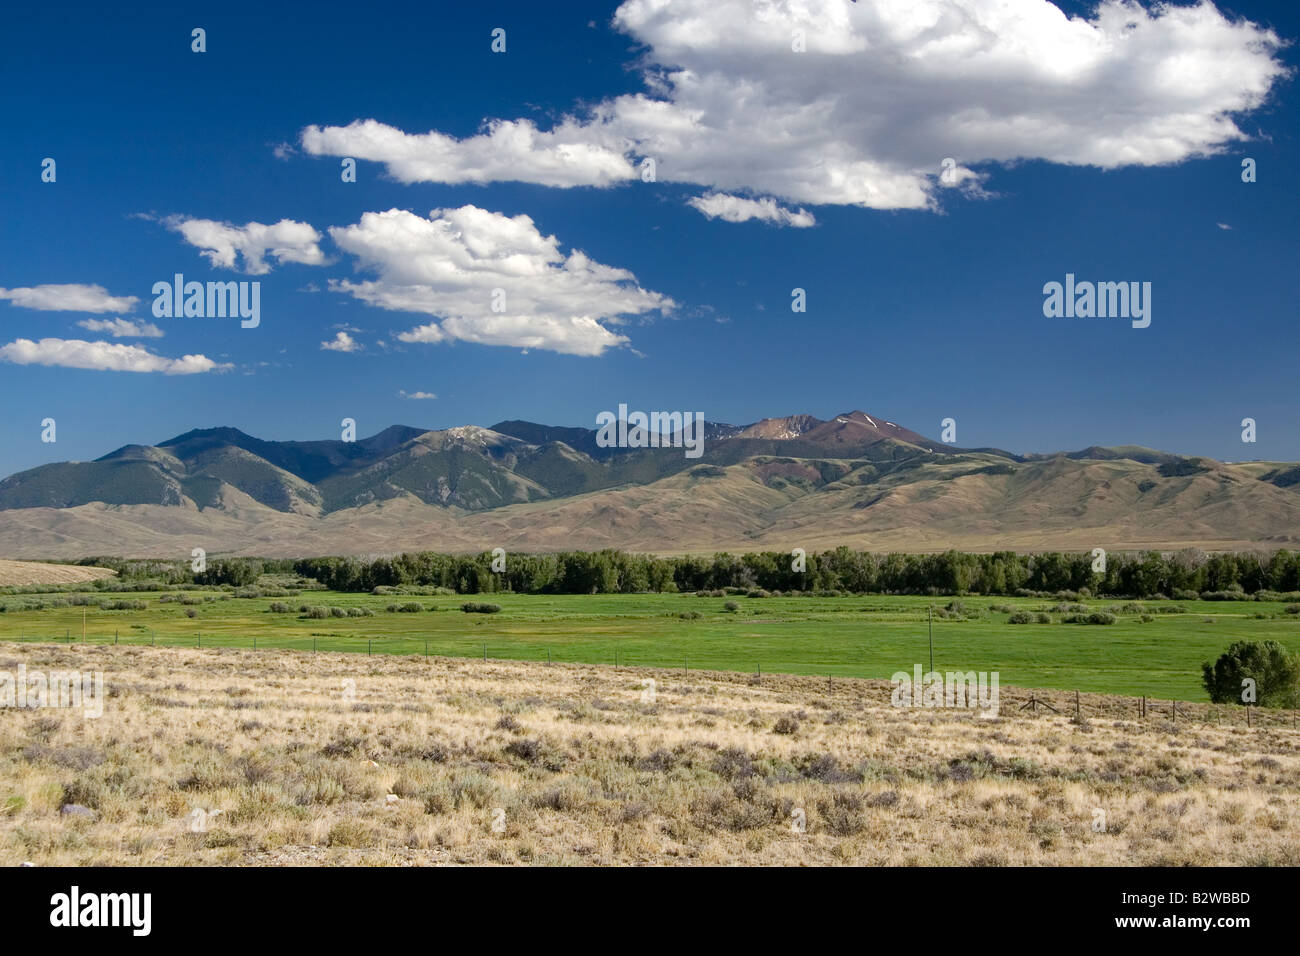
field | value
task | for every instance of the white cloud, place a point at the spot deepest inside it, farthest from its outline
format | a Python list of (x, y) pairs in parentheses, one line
[(223, 243), (103, 356), (122, 328), (69, 298), (491, 279), (1223, 225), (563, 156), (426, 395), (342, 342), (883, 92), (738, 209)]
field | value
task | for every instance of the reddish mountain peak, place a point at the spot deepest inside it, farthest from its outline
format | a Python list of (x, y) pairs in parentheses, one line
[(791, 426), (858, 427)]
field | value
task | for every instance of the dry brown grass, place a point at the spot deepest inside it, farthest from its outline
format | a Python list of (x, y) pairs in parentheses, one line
[(24, 573), (586, 772)]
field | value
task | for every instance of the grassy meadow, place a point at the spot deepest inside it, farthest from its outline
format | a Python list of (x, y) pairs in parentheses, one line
[(1154, 648)]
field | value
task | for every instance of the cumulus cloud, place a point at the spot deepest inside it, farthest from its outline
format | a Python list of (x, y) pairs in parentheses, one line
[(342, 342), (73, 297), (103, 356), (122, 328), (739, 209), (425, 395), (881, 93), (491, 279), (224, 243), (563, 156)]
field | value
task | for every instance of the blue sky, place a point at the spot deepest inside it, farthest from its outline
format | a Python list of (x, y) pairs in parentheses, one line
[(914, 313)]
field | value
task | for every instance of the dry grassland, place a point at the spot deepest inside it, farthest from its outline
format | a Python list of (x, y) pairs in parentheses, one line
[(26, 573), (345, 759)]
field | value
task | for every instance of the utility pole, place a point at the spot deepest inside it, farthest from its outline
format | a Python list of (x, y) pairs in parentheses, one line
[(931, 609)]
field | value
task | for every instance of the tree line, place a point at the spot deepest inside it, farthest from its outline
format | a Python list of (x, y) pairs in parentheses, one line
[(1182, 574)]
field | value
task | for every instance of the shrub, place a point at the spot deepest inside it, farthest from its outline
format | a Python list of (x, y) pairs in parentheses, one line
[(1041, 618), (360, 612), (1021, 617), (1096, 617), (731, 606), (1292, 609), (190, 612), (338, 612), (318, 612), (476, 607), (1275, 671), (279, 607), (1224, 596), (410, 607), (785, 725)]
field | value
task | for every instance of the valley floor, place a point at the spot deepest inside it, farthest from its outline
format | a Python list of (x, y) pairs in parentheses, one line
[(231, 757)]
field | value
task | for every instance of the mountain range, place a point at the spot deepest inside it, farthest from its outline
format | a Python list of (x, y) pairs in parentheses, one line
[(779, 483)]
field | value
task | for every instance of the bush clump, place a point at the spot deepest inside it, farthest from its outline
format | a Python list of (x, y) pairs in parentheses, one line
[(1273, 669), (1096, 617), (479, 607)]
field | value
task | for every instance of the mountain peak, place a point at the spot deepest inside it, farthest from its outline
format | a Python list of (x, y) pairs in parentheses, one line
[(857, 427), (791, 426), (221, 433)]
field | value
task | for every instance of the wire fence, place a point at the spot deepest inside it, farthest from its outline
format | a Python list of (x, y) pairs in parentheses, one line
[(1079, 706)]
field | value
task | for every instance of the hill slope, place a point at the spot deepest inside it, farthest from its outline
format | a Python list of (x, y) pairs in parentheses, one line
[(796, 481)]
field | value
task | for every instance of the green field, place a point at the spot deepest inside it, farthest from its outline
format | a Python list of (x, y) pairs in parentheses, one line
[(863, 636)]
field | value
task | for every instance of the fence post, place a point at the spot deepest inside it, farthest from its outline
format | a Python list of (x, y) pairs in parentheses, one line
[(485, 652), (1076, 707), (368, 642), (114, 636), (200, 636), (426, 648), (313, 645)]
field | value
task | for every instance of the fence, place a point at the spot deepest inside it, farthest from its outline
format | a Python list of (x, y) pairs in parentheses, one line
[(1061, 703)]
